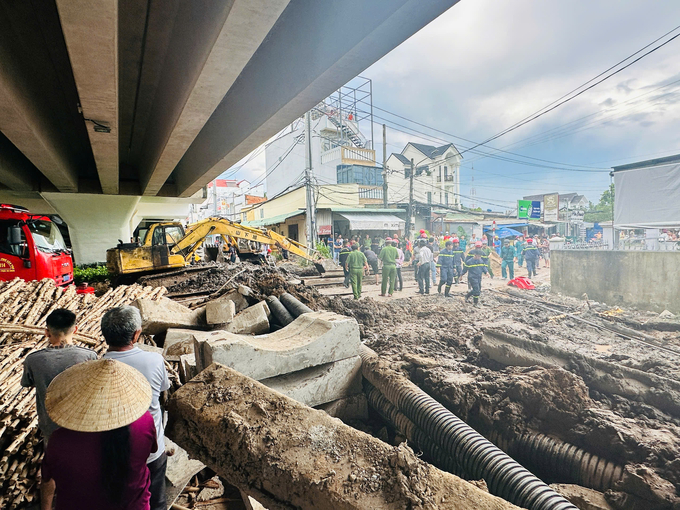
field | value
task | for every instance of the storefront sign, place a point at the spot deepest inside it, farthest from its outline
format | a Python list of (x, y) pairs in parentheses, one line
[(551, 207), (529, 209), (325, 230)]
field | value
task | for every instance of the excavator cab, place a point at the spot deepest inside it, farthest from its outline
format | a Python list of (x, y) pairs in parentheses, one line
[(154, 253)]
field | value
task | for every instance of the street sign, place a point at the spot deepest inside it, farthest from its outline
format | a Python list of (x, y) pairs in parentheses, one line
[(576, 217)]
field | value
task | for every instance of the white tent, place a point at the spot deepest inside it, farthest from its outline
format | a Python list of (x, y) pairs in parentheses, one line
[(647, 194)]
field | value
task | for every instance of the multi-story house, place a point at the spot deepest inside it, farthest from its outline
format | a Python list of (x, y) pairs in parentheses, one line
[(436, 178)]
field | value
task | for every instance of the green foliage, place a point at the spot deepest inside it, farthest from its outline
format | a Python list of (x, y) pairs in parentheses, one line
[(324, 250), (461, 232), (90, 274), (602, 211)]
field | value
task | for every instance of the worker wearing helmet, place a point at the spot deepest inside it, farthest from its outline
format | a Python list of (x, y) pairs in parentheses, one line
[(446, 268), (475, 267), (458, 257), (531, 255), (508, 260)]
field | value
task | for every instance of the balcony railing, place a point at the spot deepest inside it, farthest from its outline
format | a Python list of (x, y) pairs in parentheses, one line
[(371, 192), (439, 178), (349, 155), (448, 178)]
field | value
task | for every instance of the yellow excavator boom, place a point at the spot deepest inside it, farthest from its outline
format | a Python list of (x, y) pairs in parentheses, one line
[(127, 259), (197, 233)]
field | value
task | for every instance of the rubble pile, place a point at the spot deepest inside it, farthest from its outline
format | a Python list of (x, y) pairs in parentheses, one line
[(24, 307), (215, 280), (626, 413)]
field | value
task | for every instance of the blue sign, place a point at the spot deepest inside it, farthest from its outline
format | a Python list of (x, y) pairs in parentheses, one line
[(535, 210)]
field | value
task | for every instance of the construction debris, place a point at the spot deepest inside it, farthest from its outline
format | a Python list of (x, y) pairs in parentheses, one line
[(311, 340), (24, 307), (277, 450), (158, 316), (254, 320)]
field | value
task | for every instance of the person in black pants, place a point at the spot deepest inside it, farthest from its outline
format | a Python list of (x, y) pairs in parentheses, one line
[(531, 255), (475, 267), (342, 259)]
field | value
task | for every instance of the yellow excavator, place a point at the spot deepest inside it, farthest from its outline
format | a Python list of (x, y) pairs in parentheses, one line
[(168, 246)]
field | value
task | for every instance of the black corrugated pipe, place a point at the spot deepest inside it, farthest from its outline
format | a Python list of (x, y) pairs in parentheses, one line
[(293, 305), (280, 313), (416, 436), (478, 457), (565, 462)]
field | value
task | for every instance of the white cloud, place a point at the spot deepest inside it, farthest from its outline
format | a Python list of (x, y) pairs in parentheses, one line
[(485, 64)]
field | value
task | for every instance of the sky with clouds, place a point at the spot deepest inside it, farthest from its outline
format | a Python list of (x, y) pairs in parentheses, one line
[(486, 64)]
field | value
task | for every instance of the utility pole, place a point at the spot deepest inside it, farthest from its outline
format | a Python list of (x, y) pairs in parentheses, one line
[(410, 201), (215, 197), (311, 226), (384, 170)]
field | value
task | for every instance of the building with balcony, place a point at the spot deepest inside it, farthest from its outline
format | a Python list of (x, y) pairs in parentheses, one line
[(226, 198), (436, 177)]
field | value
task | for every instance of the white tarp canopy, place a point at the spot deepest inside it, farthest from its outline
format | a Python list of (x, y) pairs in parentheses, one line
[(373, 221), (647, 196)]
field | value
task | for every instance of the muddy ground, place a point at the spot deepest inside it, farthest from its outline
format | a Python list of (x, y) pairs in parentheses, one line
[(434, 341)]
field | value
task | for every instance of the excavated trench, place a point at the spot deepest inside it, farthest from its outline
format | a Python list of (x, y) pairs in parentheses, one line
[(563, 419)]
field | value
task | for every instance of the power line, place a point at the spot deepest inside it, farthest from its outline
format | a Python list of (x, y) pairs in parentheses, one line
[(570, 95), (472, 142), (436, 139)]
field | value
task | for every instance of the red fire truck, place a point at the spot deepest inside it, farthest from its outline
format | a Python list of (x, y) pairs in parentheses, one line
[(32, 248)]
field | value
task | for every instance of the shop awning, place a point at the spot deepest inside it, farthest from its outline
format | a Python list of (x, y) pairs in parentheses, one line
[(373, 221), (274, 220)]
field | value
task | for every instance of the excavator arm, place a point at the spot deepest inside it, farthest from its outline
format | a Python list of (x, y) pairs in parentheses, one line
[(292, 246), (198, 232)]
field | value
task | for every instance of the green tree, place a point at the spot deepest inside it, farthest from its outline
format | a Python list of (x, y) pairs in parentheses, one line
[(603, 210)]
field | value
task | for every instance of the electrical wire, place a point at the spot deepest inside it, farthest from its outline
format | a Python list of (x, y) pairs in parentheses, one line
[(571, 95)]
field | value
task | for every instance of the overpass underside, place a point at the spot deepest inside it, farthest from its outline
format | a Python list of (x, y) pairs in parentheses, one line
[(134, 98)]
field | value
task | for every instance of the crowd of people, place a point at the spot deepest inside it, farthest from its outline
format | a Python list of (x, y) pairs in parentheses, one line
[(101, 419), (451, 256)]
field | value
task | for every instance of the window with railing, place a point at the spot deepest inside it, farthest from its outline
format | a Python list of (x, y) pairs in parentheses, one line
[(429, 197)]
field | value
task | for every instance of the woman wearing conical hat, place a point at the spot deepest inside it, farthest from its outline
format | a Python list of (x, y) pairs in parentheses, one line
[(97, 458)]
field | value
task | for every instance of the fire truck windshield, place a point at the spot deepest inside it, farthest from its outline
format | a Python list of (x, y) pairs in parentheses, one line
[(46, 236)]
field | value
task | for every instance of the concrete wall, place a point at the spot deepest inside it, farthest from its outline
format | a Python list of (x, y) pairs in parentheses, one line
[(641, 279)]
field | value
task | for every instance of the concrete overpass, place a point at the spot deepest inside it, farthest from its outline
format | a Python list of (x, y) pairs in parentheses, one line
[(108, 107)]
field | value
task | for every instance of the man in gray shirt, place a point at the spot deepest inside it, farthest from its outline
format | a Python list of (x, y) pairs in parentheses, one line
[(121, 328), (42, 366)]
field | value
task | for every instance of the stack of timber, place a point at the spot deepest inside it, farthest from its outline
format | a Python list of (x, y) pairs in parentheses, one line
[(24, 307)]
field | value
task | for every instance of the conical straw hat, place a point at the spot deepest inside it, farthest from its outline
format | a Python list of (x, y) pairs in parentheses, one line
[(98, 395)]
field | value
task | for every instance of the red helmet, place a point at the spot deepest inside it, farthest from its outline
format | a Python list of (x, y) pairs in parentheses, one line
[(530, 240), (455, 240), (422, 231), (478, 244)]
